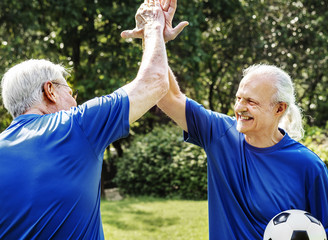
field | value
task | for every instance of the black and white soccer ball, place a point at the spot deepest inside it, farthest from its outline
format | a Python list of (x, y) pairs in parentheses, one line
[(294, 225)]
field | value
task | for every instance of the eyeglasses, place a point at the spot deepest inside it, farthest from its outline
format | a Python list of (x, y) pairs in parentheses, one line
[(74, 91)]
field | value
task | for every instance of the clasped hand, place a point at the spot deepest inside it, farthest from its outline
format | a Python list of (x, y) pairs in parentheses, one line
[(153, 10), (149, 13)]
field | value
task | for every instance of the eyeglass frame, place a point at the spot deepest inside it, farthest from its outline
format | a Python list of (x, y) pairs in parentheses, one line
[(74, 90)]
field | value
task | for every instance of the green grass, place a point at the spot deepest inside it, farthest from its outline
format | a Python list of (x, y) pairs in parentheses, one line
[(154, 219)]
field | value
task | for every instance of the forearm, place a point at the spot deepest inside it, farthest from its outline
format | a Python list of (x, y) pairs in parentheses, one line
[(151, 83), (154, 60), (173, 103), (153, 72)]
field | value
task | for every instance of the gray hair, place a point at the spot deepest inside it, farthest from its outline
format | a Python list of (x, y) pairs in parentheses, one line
[(22, 84), (291, 121)]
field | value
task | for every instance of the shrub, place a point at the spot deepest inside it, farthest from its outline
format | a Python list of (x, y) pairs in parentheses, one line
[(161, 164), (316, 139)]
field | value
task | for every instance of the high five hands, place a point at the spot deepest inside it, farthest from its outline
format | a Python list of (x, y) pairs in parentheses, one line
[(168, 7)]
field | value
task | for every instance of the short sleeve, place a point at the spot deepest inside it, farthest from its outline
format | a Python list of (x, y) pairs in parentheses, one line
[(104, 119), (204, 125)]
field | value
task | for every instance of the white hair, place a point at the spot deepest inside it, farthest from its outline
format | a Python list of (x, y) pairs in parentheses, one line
[(291, 121), (22, 84)]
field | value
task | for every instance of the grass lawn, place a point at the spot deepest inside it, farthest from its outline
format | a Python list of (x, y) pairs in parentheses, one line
[(154, 219)]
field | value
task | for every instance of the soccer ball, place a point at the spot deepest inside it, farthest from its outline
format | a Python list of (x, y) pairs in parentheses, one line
[(294, 225)]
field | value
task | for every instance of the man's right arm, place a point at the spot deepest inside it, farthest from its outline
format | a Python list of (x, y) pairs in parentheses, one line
[(151, 83), (174, 103)]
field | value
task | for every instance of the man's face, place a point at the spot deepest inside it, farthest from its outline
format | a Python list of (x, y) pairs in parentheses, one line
[(254, 109)]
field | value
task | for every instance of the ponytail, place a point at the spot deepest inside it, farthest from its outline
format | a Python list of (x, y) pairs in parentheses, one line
[(291, 122)]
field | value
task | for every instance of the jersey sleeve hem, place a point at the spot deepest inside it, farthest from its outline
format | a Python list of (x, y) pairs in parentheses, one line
[(126, 123)]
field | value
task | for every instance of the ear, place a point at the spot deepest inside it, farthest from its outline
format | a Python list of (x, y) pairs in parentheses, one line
[(49, 92), (281, 108)]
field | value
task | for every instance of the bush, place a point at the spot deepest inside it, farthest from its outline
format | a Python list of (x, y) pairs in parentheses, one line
[(161, 164), (316, 139)]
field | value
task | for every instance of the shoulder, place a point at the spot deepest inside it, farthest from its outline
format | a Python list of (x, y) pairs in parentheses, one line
[(208, 126), (118, 96), (194, 108), (305, 157), (101, 107)]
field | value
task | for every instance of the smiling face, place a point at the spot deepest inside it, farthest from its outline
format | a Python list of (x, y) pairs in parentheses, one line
[(254, 109)]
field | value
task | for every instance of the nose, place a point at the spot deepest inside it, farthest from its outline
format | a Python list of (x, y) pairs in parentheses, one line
[(240, 106)]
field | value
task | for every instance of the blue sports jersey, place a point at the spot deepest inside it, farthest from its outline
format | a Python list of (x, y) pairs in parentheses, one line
[(50, 168), (247, 186)]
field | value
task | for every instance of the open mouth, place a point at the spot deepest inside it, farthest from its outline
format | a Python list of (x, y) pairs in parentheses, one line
[(245, 118)]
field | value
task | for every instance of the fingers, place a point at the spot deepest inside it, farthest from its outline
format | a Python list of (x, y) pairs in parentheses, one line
[(173, 4), (140, 21), (142, 7), (178, 29), (157, 3), (154, 3), (170, 35), (172, 7), (166, 4), (135, 33)]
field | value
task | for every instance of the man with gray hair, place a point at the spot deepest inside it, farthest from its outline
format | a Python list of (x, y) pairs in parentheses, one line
[(51, 154), (256, 168)]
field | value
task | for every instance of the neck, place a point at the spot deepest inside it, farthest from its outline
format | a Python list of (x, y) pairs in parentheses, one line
[(265, 140), (39, 110)]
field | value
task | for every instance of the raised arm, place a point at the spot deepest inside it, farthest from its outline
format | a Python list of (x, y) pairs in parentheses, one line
[(174, 103), (151, 83)]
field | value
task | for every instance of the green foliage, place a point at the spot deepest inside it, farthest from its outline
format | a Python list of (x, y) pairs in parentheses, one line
[(316, 139), (5, 118), (207, 57), (161, 164)]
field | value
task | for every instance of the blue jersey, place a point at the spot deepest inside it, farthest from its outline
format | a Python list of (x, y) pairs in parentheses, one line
[(247, 186), (50, 168)]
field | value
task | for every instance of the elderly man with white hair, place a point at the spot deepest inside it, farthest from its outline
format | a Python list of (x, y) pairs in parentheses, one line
[(256, 168)]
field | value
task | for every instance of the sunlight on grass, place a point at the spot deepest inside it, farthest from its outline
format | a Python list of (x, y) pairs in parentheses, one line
[(154, 219)]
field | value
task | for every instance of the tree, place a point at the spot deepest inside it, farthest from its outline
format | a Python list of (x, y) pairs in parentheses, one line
[(207, 57)]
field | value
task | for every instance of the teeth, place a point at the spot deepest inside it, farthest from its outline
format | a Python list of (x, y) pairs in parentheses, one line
[(244, 118)]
